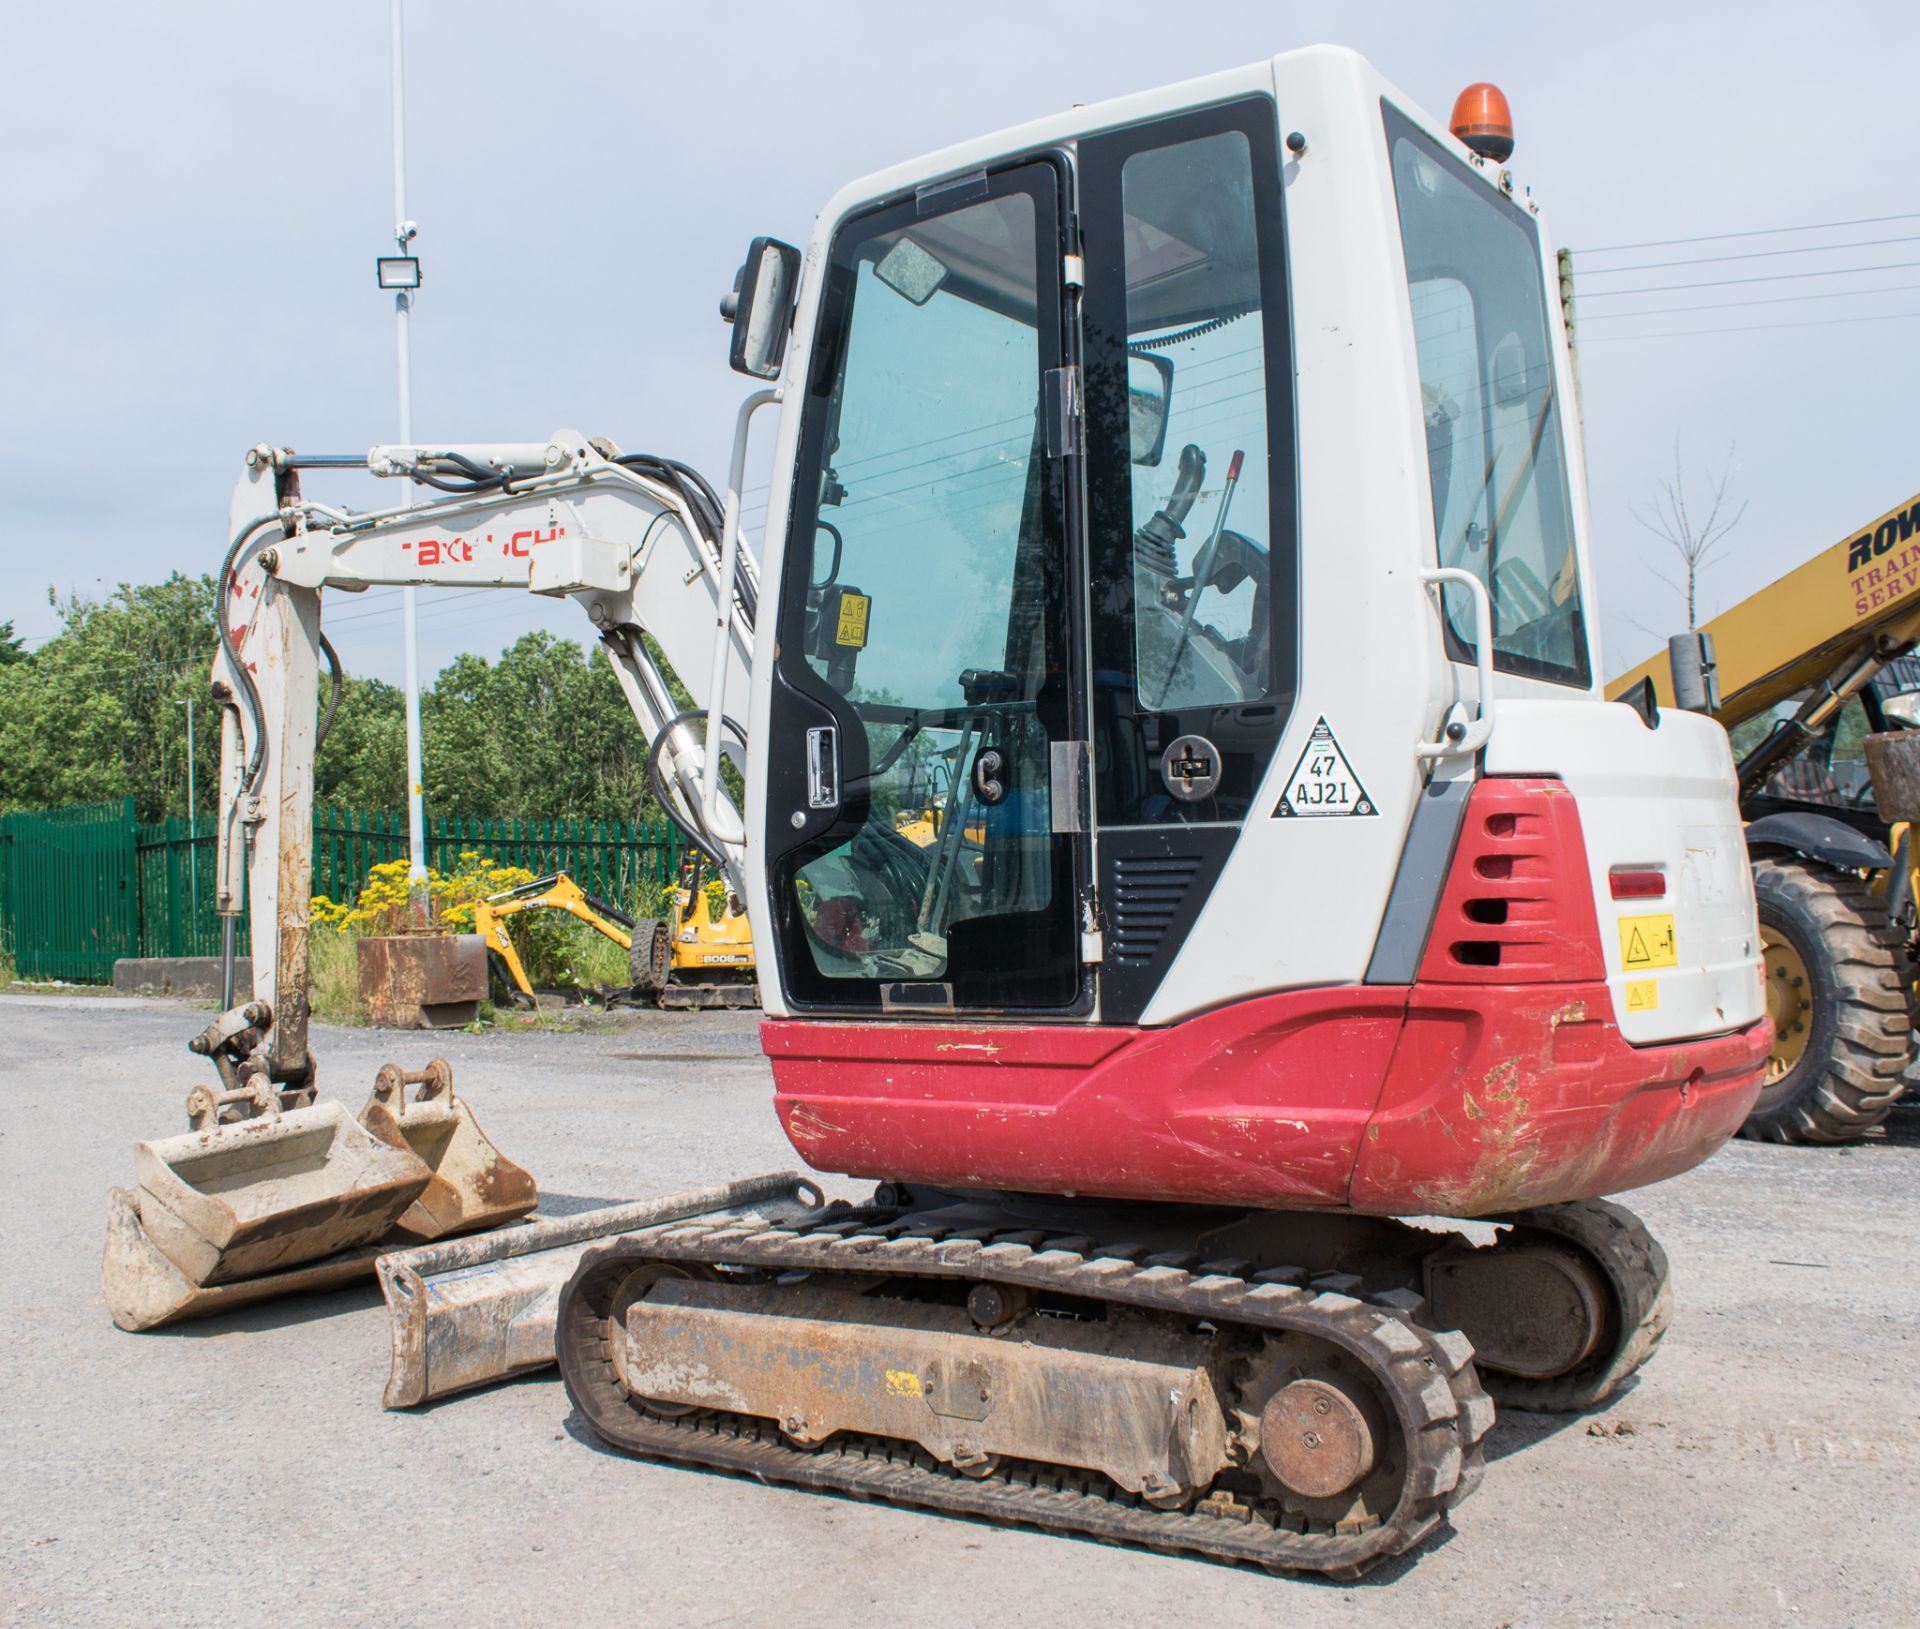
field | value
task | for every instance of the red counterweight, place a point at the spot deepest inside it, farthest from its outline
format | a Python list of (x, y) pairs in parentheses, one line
[(1498, 1080)]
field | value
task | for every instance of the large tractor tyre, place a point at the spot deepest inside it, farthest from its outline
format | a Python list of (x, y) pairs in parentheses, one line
[(650, 960), (1836, 994)]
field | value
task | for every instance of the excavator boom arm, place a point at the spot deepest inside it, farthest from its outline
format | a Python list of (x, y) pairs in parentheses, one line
[(639, 543)]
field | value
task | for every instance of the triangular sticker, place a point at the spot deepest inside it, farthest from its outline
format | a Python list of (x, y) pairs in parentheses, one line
[(1323, 782)]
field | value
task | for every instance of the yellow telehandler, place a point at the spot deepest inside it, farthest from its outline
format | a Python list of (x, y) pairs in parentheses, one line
[(1813, 678)]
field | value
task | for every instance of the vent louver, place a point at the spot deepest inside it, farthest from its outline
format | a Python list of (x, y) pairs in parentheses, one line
[(1147, 892)]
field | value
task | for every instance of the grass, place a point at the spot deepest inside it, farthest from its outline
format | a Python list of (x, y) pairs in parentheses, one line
[(592, 961), (572, 956), (334, 978), (8, 978)]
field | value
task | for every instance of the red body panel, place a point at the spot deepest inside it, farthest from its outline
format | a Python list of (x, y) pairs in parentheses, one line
[(1518, 904), (1461, 1102), (1499, 1080)]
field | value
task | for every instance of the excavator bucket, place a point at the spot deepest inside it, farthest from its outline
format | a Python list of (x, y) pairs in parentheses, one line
[(472, 1184), (238, 1204)]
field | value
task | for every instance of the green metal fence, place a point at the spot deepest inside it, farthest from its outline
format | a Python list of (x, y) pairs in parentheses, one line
[(615, 859), (82, 887), (69, 890)]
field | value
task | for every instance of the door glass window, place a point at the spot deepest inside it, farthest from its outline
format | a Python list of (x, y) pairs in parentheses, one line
[(1501, 505), (1190, 488), (934, 607), (1196, 338)]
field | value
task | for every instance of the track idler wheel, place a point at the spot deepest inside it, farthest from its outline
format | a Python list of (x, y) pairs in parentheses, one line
[(1568, 1303)]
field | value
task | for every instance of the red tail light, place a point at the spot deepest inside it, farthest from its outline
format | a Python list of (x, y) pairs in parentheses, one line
[(1637, 882)]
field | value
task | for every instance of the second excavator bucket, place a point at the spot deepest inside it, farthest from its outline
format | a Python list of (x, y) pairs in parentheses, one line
[(236, 1209), (270, 1192), (472, 1184)]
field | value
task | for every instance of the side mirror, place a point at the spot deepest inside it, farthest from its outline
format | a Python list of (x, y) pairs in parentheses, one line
[(762, 307), (1696, 674), (1149, 395)]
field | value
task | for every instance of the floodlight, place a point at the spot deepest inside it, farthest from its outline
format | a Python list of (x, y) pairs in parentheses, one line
[(398, 271)]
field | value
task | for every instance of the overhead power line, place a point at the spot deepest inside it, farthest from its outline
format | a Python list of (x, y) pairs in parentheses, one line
[(1747, 328), (1758, 232), (1750, 254), (1728, 305), (1734, 282)]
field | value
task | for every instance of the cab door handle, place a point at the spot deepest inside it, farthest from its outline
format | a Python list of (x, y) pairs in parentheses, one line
[(823, 767)]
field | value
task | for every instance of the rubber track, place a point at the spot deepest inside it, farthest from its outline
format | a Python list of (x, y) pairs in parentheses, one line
[(1618, 1243), (1429, 1379)]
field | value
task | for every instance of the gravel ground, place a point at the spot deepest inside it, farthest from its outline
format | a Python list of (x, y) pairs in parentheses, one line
[(241, 1471)]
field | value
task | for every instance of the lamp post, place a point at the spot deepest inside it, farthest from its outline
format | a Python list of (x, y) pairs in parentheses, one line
[(193, 823), (401, 273)]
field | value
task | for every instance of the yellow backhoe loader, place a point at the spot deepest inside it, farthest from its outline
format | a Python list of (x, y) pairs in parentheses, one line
[(1812, 677), (692, 957)]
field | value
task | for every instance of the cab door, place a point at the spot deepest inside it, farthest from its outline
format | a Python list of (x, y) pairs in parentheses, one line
[(926, 761)]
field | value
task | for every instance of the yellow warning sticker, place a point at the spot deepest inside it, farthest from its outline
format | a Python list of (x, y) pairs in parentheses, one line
[(852, 627), (1643, 995), (1647, 942), (903, 1383)]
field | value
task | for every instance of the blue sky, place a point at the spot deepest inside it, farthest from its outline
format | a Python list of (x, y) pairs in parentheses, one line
[(194, 195)]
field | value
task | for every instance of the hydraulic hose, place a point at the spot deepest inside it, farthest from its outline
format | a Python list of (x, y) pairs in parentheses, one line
[(333, 698), (249, 692), (657, 781), (702, 503)]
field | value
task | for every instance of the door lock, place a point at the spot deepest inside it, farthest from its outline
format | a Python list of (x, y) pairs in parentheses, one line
[(1190, 767)]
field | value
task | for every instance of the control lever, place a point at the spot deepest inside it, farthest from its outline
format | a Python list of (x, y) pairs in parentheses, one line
[(1202, 569)]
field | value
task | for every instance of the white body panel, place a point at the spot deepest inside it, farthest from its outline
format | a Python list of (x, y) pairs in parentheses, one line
[(1300, 900), (1662, 798)]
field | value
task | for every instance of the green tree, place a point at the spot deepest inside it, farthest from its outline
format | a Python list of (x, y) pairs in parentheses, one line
[(12, 648), (543, 733), (362, 763), (92, 713)]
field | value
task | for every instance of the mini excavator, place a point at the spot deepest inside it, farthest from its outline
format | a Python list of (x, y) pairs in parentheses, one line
[(695, 956), (1194, 477)]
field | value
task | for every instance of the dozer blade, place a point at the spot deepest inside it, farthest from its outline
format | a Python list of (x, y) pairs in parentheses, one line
[(472, 1311), (472, 1185), (688, 997)]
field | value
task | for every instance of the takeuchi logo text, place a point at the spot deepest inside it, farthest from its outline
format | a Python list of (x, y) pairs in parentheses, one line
[(1877, 573), (449, 551)]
